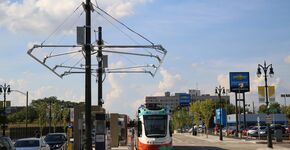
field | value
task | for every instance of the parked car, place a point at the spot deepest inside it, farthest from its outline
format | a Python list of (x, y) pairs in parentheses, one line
[(245, 130), (232, 130), (56, 141), (273, 128), (31, 144), (6, 143), (255, 131)]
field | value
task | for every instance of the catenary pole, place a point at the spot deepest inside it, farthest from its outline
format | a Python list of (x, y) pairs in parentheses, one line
[(88, 94), (100, 67)]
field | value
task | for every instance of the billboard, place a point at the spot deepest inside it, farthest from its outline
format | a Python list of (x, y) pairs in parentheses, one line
[(184, 99), (262, 93), (239, 82), (217, 117)]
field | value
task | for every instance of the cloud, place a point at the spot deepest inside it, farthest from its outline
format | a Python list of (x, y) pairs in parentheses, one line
[(137, 103), (287, 59), (168, 82), (223, 80), (194, 65), (43, 16), (116, 89)]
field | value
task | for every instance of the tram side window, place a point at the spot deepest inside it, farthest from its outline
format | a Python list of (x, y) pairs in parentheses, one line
[(139, 128), (170, 128)]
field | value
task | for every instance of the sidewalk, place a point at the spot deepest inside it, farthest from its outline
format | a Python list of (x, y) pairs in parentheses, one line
[(215, 139)]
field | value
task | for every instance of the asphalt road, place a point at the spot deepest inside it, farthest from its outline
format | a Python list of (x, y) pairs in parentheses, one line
[(188, 142)]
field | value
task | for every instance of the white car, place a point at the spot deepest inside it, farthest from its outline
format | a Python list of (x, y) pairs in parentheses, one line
[(31, 144)]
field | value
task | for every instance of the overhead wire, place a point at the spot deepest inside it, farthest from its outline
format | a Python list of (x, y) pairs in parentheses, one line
[(58, 27), (123, 32), (124, 25), (120, 30)]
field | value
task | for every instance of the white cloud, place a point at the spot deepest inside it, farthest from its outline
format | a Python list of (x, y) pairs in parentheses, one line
[(194, 65), (168, 82), (43, 16), (137, 103), (287, 59), (116, 89), (223, 80)]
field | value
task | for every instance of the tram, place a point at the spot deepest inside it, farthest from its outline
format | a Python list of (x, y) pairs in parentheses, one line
[(154, 128)]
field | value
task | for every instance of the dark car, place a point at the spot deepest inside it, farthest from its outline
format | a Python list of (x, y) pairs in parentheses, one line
[(56, 141), (273, 128), (6, 143)]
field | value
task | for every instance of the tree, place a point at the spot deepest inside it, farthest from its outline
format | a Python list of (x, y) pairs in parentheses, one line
[(41, 109), (262, 109), (274, 108), (181, 118), (206, 109), (194, 108), (65, 117), (286, 110), (56, 114)]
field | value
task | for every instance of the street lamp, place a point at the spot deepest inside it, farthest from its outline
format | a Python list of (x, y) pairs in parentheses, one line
[(219, 90), (271, 73), (26, 116), (5, 89)]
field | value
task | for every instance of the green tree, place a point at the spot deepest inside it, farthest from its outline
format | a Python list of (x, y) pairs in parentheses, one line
[(274, 108), (262, 109), (194, 108), (56, 114), (181, 118), (41, 109), (207, 111), (286, 110), (65, 117)]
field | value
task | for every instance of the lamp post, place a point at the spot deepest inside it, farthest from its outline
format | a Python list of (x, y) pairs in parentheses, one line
[(265, 68), (26, 116), (6, 90), (219, 90)]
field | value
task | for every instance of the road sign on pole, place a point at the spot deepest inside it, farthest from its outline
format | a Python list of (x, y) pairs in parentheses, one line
[(269, 119)]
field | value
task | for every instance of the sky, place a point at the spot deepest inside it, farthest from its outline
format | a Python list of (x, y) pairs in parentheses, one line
[(204, 39)]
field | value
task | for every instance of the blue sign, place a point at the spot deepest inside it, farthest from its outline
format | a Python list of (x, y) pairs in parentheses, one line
[(184, 99), (239, 82), (217, 117)]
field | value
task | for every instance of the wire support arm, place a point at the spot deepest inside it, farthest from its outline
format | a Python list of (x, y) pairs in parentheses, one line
[(29, 53)]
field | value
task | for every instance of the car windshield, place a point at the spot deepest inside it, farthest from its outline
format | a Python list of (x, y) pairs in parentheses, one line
[(155, 125), (55, 137), (27, 143)]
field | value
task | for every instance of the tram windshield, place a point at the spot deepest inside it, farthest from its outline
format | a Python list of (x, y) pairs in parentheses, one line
[(155, 125)]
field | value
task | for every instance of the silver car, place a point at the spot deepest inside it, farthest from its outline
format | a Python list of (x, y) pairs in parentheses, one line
[(31, 144)]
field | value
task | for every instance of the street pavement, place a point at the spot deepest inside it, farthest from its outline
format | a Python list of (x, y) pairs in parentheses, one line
[(186, 141)]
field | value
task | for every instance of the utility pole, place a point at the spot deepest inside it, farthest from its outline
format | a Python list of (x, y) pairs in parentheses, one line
[(100, 67), (88, 86)]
